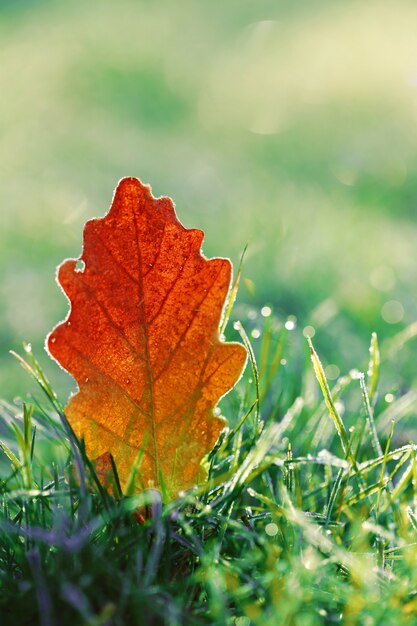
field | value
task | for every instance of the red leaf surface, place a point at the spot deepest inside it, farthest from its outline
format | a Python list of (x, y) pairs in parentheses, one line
[(142, 341)]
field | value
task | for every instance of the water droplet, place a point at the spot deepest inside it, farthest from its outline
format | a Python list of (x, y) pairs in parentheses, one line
[(68, 323), (27, 347), (256, 333), (127, 381), (309, 331), (291, 322), (53, 339), (86, 379), (266, 311), (271, 529)]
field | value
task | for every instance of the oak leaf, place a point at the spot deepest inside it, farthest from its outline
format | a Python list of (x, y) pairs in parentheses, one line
[(142, 342)]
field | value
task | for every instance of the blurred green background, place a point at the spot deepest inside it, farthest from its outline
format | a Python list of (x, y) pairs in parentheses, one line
[(287, 125)]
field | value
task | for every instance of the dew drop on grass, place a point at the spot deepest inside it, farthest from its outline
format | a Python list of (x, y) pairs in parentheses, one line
[(309, 331), (266, 311), (389, 397), (291, 322), (271, 529), (242, 620), (256, 333)]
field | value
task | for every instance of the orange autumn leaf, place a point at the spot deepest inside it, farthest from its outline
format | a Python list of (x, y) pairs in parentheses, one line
[(142, 341)]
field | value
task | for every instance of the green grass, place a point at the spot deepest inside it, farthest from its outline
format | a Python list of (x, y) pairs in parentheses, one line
[(308, 515)]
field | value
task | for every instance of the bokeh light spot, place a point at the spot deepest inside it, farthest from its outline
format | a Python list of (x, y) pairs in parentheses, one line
[(392, 312)]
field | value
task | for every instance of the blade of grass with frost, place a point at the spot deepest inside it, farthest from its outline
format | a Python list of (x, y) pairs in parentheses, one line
[(265, 347), (402, 453), (324, 386), (411, 516), (233, 293), (365, 493), (389, 551), (400, 463), (81, 459), (323, 460), (373, 367), (414, 483), (337, 484), (395, 344), (382, 472), (311, 531), (289, 475), (233, 432), (313, 427), (134, 472), (370, 415), (11, 456), (399, 487), (238, 326), (273, 369), (25, 453), (267, 440), (117, 486), (402, 407), (34, 369)]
